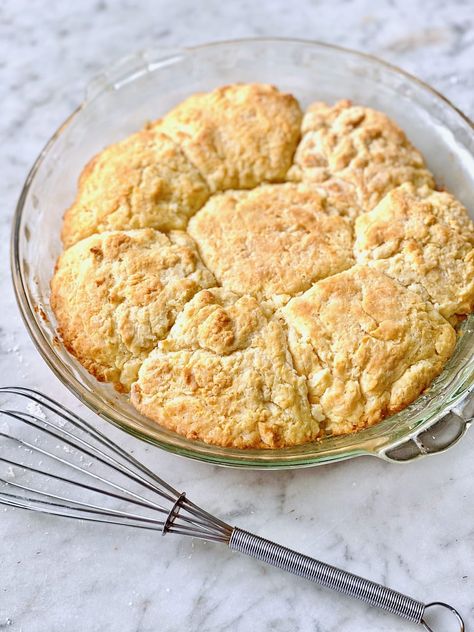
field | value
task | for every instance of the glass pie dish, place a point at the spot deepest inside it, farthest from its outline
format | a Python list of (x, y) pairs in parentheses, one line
[(145, 86)]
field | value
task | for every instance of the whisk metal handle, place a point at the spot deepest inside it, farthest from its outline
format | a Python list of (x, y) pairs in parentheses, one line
[(331, 577)]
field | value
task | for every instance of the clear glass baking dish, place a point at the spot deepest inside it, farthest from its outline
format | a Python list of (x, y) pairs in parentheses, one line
[(145, 86)]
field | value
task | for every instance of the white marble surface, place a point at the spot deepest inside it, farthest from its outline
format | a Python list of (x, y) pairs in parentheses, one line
[(410, 526)]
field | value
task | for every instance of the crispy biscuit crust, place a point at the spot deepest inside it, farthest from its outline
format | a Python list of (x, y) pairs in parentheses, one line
[(238, 136), (144, 181), (310, 333), (367, 346), (362, 147), (275, 239), (425, 241), (116, 294), (224, 376)]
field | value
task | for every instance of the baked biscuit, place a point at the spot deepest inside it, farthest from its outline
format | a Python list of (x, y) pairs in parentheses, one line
[(360, 146), (425, 241), (224, 376), (367, 346), (238, 136), (275, 239), (116, 294), (143, 181), (341, 270)]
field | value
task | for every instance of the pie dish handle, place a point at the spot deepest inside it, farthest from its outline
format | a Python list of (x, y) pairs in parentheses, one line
[(439, 436), (128, 68)]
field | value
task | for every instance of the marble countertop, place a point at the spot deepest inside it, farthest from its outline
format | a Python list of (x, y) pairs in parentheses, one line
[(411, 526)]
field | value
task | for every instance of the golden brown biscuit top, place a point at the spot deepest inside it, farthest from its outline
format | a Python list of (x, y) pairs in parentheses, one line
[(367, 346), (219, 321), (224, 375), (275, 239), (424, 240), (360, 146), (144, 181), (116, 294), (239, 135)]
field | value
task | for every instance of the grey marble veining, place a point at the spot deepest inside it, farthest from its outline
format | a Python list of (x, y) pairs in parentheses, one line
[(409, 526)]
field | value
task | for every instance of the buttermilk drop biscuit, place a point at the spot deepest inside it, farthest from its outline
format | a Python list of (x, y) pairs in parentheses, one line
[(116, 294), (255, 289), (142, 181), (360, 146), (425, 241), (367, 346), (238, 136), (275, 239), (224, 375)]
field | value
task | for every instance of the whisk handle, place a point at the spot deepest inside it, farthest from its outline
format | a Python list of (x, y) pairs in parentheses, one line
[(331, 577)]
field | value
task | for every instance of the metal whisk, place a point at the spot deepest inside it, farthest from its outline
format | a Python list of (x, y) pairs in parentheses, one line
[(54, 462)]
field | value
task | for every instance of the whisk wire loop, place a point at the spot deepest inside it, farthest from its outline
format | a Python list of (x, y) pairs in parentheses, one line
[(83, 460)]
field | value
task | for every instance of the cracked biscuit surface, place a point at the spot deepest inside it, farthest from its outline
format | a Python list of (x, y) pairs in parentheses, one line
[(425, 241), (116, 294), (360, 146), (144, 181), (275, 239), (238, 136), (257, 279), (224, 375), (367, 346)]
